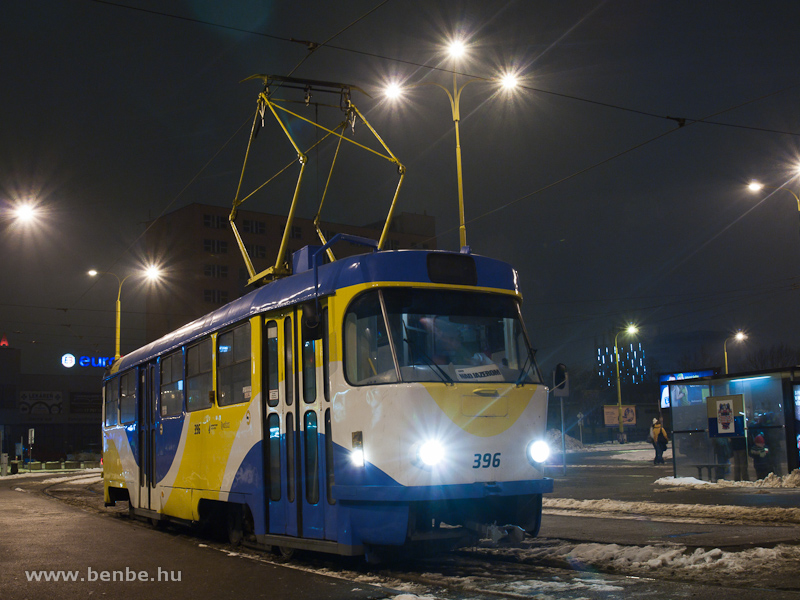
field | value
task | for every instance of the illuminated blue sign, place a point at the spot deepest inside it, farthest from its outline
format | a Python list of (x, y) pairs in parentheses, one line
[(665, 379), (69, 361)]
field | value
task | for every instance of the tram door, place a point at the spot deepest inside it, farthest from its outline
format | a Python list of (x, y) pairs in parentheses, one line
[(310, 426), (147, 403), (280, 427), (293, 423)]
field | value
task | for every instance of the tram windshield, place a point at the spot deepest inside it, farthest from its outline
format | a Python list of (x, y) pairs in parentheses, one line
[(438, 336)]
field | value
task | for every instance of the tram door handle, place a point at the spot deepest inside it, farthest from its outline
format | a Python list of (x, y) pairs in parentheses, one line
[(487, 392)]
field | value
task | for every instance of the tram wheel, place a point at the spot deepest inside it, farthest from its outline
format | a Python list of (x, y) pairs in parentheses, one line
[(234, 526)]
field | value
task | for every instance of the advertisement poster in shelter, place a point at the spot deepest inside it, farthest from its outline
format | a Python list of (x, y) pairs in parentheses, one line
[(611, 415), (725, 416)]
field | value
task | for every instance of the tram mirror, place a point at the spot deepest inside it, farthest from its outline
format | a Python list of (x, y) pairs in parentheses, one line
[(310, 315)]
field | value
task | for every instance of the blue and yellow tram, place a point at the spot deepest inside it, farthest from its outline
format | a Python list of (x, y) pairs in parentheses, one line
[(373, 402)]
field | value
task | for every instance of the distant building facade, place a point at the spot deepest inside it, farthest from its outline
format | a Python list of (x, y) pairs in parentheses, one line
[(205, 269), (63, 410)]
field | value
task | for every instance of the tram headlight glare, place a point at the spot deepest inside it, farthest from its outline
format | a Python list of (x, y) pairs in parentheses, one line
[(538, 451), (357, 457), (431, 453)]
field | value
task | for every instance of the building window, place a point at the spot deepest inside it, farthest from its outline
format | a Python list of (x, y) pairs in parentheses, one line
[(215, 296), (297, 232), (215, 246), (256, 250), (250, 226), (233, 366), (216, 271), (215, 221)]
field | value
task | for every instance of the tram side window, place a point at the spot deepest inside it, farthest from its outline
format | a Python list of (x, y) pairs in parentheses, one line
[(309, 370), (199, 386), (274, 427), (312, 458), (127, 397), (233, 370), (288, 360), (326, 356), (172, 384), (112, 400), (271, 348), (368, 354)]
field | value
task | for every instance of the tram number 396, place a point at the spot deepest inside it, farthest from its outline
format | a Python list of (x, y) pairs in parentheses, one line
[(484, 461)]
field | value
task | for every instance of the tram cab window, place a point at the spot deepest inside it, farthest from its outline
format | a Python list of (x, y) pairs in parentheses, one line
[(112, 400), (368, 355), (199, 384), (172, 384), (438, 336), (233, 366), (127, 397)]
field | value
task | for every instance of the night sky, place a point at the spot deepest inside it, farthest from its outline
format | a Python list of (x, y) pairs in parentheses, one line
[(614, 181)]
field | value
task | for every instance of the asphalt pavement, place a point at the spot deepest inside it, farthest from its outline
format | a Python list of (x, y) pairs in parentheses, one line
[(44, 538)]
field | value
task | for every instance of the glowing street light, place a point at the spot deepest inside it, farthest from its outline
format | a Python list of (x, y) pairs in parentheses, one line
[(756, 186), (152, 273), (630, 330), (457, 49), (739, 336), (25, 213)]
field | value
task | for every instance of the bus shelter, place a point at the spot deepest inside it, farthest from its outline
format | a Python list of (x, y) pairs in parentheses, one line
[(737, 427)]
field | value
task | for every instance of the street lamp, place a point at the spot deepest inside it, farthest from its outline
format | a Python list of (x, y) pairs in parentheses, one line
[(756, 186), (152, 273), (739, 336), (630, 330), (508, 81)]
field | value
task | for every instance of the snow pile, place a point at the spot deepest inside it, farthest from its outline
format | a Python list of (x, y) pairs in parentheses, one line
[(792, 480), (554, 441)]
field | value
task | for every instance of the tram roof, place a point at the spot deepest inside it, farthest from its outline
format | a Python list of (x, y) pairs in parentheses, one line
[(411, 266)]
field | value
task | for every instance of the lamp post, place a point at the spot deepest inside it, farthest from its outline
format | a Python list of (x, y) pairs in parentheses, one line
[(755, 186), (152, 273), (457, 49), (630, 330), (739, 336)]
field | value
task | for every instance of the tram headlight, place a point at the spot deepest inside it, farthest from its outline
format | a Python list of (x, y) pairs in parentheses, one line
[(357, 457), (430, 453), (538, 452)]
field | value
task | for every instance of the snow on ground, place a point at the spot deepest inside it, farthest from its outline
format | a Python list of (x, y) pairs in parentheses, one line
[(724, 513), (66, 474), (677, 560), (792, 480)]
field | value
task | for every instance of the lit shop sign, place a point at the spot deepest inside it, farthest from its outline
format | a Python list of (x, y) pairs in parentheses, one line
[(70, 360)]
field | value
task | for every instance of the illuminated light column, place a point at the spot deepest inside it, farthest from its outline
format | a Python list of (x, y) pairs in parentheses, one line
[(630, 330), (739, 336)]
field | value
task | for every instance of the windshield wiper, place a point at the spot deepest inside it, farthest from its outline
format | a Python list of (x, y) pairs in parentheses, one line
[(433, 367)]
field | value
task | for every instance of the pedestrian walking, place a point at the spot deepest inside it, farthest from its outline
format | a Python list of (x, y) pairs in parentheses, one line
[(658, 437)]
